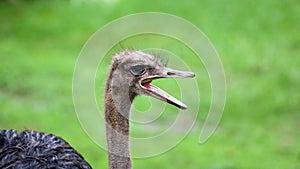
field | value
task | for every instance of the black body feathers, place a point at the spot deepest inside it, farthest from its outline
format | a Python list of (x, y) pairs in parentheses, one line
[(32, 149)]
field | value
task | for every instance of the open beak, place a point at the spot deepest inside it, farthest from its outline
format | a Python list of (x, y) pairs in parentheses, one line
[(158, 93)]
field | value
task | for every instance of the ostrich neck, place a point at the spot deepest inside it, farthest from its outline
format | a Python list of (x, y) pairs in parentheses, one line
[(117, 110)]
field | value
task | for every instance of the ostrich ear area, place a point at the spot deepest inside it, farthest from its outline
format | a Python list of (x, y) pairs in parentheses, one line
[(158, 93)]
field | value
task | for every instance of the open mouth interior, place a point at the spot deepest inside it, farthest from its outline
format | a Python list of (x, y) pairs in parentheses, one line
[(158, 93), (147, 83)]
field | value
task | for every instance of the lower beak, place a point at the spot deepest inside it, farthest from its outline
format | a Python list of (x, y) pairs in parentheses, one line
[(158, 93)]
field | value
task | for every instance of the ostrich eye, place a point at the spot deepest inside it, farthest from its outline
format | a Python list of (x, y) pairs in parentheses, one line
[(138, 70)]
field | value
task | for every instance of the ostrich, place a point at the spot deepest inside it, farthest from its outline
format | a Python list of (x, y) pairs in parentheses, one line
[(130, 75)]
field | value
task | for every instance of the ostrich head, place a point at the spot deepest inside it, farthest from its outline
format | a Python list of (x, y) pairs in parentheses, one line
[(132, 73)]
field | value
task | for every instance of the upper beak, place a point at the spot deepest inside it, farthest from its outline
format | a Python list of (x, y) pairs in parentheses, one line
[(158, 93)]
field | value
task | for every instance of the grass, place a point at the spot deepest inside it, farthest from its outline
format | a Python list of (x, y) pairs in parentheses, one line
[(258, 42)]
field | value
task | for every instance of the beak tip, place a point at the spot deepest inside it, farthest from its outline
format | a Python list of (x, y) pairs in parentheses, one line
[(189, 74), (183, 107), (193, 74)]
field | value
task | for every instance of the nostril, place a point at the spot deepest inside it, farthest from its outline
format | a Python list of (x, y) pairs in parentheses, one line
[(170, 73)]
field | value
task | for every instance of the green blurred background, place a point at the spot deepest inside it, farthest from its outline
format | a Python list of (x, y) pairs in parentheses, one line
[(258, 43)]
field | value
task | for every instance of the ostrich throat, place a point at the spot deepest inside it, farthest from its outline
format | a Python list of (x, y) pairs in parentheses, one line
[(118, 102)]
